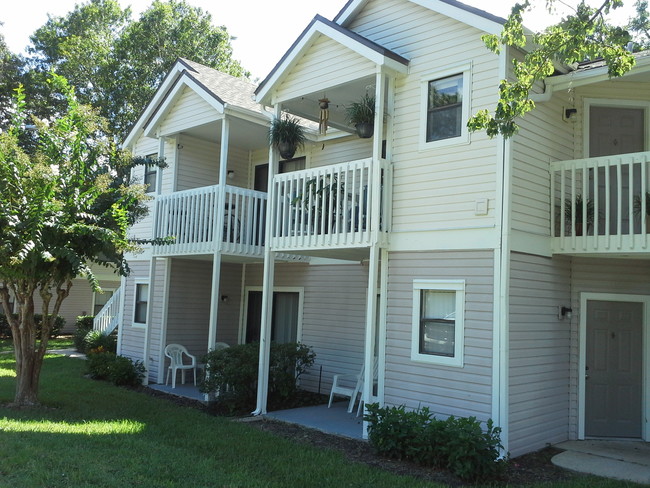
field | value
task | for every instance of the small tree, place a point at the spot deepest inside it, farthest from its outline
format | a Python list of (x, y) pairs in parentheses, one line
[(65, 203), (583, 35)]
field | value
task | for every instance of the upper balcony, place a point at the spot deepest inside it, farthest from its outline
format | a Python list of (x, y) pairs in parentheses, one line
[(601, 205), (336, 207)]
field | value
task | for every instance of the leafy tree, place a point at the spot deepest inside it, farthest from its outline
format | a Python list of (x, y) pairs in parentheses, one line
[(65, 203), (116, 63), (585, 34), (639, 25), (10, 68)]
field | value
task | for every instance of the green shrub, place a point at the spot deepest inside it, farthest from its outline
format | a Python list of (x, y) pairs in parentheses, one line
[(120, 370), (57, 325), (232, 373), (457, 444), (96, 339), (83, 325)]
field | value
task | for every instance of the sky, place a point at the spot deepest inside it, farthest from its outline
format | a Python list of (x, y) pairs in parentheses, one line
[(264, 29)]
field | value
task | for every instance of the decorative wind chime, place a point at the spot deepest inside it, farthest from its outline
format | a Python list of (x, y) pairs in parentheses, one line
[(324, 105)]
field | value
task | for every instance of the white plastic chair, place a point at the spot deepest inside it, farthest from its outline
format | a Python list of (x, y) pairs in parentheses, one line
[(175, 353), (339, 382)]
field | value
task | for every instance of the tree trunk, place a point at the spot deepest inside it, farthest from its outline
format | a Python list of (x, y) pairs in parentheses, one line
[(27, 380)]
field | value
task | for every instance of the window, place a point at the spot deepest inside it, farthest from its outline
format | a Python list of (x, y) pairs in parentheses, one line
[(445, 107), (438, 322), (100, 299), (150, 174), (141, 303)]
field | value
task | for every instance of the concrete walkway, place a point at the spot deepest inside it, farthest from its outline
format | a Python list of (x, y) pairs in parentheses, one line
[(73, 353), (620, 460)]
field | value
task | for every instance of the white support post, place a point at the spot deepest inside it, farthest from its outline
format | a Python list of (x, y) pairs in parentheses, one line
[(267, 288), (159, 170), (147, 330), (371, 329), (381, 328), (223, 171), (380, 85), (214, 300), (120, 325), (163, 324)]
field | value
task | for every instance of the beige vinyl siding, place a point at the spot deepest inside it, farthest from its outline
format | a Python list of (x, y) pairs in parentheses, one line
[(600, 275), (189, 110), (333, 320), (314, 71), (132, 336), (437, 186), (446, 390), (539, 352), (606, 90), (340, 150), (188, 318), (155, 328)]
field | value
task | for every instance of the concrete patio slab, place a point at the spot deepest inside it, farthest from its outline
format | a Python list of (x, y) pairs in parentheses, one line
[(335, 420), (621, 460)]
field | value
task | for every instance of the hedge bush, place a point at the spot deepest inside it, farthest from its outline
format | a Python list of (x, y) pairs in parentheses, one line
[(120, 370), (457, 444), (232, 373), (59, 323), (96, 339), (83, 325)]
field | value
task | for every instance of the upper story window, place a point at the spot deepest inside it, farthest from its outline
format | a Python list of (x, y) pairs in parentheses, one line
[(150, 174), (445, 107), (438, 322)]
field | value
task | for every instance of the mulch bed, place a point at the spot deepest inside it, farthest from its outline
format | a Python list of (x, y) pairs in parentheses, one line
[(524, 470)]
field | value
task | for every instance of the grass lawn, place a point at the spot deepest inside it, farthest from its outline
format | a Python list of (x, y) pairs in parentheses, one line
[(58, 343), (90, 433)]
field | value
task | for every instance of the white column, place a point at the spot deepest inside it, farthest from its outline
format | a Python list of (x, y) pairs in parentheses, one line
[(267, 288), (214, 300), (371, 330), (375, 198)]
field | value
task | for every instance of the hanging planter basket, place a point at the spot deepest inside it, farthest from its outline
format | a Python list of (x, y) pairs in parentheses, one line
[(286, 150), (287, 135), (365, 130)]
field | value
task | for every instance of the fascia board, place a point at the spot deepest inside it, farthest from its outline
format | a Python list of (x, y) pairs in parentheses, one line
[(464, 16), (587, 77), (317, 29), (172, 96), (151, 107)]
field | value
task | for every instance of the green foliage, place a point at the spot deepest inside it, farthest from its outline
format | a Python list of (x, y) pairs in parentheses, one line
[(58, 323), (362, 111), (286, 129), (232, 373), (457, 444), (117, 62), (83, 325), (583, 35), (119, 370), (95, 339)]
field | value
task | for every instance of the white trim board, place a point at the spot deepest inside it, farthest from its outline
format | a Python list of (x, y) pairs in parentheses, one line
[(645, 394)]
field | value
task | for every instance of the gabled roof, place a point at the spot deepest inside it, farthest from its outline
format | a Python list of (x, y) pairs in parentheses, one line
[(467, 14), (321, 26), (219, 89)]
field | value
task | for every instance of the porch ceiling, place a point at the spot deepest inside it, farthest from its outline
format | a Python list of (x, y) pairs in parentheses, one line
[(244, 134), (306, 106)]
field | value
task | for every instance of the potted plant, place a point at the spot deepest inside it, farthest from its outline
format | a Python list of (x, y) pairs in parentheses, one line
[(287, 135), (638, 208), (361, 114), (580, 203)]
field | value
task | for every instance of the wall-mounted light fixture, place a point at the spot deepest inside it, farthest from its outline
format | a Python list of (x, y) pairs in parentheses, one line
[(564, 313), (569, 112), (224, 298), (231, 174)]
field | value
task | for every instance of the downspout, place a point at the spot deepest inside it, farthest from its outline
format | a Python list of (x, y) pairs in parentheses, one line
[(501, 345), (267, 287)]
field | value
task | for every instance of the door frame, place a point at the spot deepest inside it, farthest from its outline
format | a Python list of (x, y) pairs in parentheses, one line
[(289, 289), (615, 103), (582, 362)]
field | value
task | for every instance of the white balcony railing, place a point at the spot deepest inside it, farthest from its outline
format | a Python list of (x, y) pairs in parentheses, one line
[(601, 205), (328, 207), (190, 220), (109, 317)]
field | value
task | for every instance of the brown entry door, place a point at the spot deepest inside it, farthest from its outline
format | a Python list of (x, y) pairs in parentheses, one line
[(614, 369)]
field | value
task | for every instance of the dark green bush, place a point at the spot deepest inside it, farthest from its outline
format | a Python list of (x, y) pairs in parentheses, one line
[(57, 325), (457, 444), (120, 370), (96, 339), (232, 373), (83, 325)]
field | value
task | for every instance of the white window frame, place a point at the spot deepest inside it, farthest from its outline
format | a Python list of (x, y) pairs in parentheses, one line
[(135, 303), (465, 70), (112, 290), (457, 286), (152, 170)]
